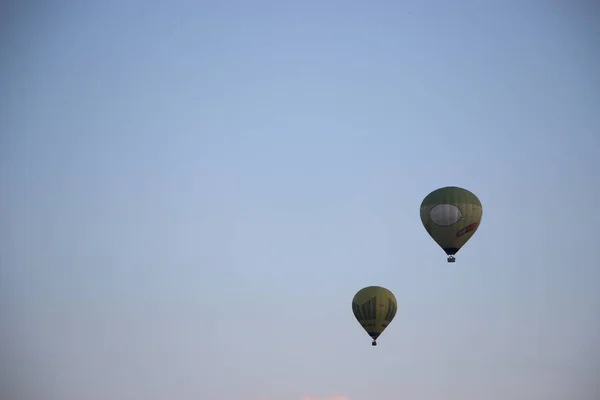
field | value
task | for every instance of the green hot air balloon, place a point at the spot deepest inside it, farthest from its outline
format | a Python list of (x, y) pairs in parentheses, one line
[(374, 307), (451, 215)]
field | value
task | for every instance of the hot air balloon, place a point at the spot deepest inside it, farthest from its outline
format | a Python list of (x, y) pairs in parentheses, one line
[(451, 215), (374, 307)]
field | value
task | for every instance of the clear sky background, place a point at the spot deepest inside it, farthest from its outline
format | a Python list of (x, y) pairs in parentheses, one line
[(192, 193)]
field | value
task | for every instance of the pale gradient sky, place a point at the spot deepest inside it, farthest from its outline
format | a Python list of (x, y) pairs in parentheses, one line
[(192, 193)]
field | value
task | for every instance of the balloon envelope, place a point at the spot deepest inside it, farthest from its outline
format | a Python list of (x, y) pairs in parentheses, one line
[(451, 215), (374, 308)]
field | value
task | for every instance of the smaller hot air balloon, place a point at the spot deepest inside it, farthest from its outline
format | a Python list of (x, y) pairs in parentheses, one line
[(451, 215), (374, 307)]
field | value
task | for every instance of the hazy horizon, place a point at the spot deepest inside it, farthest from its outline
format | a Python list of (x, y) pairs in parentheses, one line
[(193, 193)]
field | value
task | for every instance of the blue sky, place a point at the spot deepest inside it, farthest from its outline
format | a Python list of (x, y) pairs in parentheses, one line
[(192, 194)]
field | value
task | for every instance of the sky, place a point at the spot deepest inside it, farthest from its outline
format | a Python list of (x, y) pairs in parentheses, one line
[(193, 192)]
